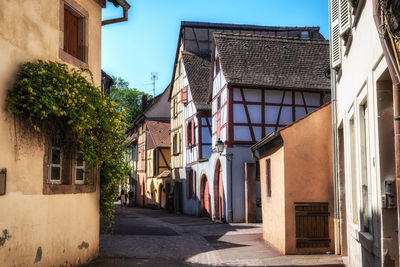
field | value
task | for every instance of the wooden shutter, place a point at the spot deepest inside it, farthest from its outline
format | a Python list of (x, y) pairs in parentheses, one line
[(344, 16), (219, 124), (70, 33), (335, 34), (194, 183), (186, 135), (185, 95), (193, 134)]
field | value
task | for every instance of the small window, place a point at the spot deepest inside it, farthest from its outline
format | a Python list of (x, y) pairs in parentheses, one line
[(218, 102), (174, 144), (268, 177), (74, 32), (217, 66), (55, 159), (80, 168)]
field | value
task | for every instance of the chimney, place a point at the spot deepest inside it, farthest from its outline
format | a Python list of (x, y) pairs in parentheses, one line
[(144, 102)]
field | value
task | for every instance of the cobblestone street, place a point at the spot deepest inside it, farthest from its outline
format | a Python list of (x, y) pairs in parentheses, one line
[(144, 237)]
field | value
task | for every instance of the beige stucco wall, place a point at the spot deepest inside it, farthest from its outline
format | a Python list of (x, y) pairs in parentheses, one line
[(273, 207), (64, 226), (308, 170)]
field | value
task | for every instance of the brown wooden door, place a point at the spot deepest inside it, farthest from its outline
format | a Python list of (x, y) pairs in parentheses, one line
[(220, 195), (205, 199)]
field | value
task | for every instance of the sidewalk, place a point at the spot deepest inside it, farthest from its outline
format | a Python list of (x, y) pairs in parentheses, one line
[(146, 237)]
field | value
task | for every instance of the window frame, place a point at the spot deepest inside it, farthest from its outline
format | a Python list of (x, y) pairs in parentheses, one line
[(268, 179), (76, 167), (82, 15), (51, 165)]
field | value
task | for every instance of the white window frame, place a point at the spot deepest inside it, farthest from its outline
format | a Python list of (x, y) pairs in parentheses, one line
[(51, 165), (80, 168)]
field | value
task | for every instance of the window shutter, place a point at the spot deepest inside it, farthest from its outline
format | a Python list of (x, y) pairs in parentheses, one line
[(192, 124), (335, 34), (344, 16), (219, 125), (187, 184), (194, 184), (184, 95), (186, 135)]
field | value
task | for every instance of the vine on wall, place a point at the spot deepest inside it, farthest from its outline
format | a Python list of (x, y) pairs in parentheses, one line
[(47, 91)]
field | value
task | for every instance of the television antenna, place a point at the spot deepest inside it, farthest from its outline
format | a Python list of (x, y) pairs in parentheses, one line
[(154, 78)]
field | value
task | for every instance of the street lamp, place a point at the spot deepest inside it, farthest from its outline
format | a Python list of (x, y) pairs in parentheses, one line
[(219, 146)]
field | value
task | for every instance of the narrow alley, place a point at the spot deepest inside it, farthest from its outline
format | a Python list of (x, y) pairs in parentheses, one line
[(146, 237)]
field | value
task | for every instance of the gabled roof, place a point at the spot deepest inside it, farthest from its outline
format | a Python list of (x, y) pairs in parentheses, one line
[(198, 74), (158, 134), (278, 62), (197, 37)]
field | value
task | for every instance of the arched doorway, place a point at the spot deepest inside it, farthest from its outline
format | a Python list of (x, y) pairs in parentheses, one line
[(218, 193), (161, 196), (204, 197)]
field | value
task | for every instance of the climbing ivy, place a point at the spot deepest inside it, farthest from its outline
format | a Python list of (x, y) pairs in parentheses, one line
[(47, 91)]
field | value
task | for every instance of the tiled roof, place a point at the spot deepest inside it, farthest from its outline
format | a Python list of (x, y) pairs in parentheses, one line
[(198, 74), (158, 135), (255, 60)]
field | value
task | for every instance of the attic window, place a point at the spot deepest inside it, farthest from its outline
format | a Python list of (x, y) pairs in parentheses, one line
[(304, 35)]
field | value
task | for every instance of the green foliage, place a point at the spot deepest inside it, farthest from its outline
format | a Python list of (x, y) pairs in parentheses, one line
[(50, 91), (128, 99)]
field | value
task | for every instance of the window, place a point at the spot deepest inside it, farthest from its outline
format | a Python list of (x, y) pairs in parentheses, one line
[(174, 144), (365, 172), (268, 177), (79, 168), (185, 95), (217, 65), (218, 102), (353, 170), (65, 165), (73, 25), (55, 159)]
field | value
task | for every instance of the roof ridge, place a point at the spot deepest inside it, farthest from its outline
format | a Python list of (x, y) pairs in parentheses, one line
[(244, 26), (269, 37)]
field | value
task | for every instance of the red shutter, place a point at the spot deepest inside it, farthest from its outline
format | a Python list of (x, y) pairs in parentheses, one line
[(194, 184), (193, 141), (184, 95), (186, 135), (187, 184), (219, 125)]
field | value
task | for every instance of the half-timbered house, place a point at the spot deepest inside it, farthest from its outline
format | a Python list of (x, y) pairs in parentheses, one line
[(196, 38), (147, 138), (259, 85)]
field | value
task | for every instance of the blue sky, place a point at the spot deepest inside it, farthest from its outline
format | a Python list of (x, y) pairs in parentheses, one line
[(147, 42)]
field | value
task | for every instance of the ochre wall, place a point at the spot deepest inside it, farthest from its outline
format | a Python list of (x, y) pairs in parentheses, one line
[(308, 170), (46, 229), (273, 207)]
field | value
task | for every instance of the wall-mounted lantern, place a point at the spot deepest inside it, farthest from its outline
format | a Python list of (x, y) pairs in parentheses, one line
[(3, 175)]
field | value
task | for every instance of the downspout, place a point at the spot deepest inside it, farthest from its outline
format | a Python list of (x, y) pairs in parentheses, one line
[(336, 213), (125, 7)]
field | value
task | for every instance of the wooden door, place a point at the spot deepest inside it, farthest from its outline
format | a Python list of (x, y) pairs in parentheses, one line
[(220, 195), (205, 199)]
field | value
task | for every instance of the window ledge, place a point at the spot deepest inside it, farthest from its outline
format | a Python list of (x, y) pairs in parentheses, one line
[(51, 189), (367, 241), (71, 59)]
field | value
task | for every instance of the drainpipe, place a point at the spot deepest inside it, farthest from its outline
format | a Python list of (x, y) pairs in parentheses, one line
[(336, 212), (125, 7)]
